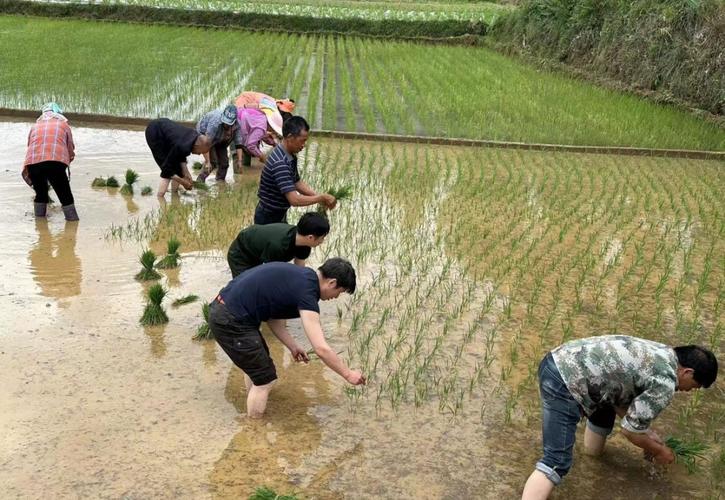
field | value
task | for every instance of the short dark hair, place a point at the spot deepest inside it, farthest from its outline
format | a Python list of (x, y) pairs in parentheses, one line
[(701, 360), (313, 223), (294, 126), (342, 271), (286, 115)]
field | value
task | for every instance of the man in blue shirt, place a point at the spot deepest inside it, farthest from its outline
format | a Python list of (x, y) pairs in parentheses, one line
[(280, 185), (274, 292)]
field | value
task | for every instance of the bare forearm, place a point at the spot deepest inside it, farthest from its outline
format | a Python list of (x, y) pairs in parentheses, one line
[(304, 188), (333, 361), (280, 331), (644, 441), (302, 200)]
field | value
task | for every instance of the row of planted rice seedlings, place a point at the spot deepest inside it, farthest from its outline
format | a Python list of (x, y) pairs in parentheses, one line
[(413, 88), (380, 10)]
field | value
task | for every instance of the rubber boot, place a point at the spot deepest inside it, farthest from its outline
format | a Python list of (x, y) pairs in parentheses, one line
[(40, 209), (70, 212), (202, 176), (221, 173)]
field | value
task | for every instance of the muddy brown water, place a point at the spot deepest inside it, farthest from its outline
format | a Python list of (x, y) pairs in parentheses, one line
[(92, 405)]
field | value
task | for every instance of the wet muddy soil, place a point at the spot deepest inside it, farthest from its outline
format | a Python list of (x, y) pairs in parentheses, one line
[(92, 405)]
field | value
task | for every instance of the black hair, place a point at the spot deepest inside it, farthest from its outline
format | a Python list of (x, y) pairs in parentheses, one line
[(313, 223), (294, 126), (286, 115), (342, 271), (701, 360)]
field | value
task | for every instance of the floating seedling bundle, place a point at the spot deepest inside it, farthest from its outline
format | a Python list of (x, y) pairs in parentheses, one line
[(146, 191), (188, 299), (131, 176), (112, 182), (147, 260), (153, 313), (197, 165), (265, 493), (172, 257), (204, 332), (98, 182)]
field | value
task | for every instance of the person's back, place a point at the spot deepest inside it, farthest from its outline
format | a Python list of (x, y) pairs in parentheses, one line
[(277, 290), (615, 369), (258, 244)]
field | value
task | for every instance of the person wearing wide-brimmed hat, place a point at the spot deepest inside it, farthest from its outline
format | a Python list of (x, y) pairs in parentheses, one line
[(221, 126), (256, 126), (50, 152)]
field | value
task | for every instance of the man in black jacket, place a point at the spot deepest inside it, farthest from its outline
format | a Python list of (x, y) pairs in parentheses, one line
[(171, 143)]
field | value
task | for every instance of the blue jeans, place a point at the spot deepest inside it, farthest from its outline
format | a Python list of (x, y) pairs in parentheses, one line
[(561, 414)]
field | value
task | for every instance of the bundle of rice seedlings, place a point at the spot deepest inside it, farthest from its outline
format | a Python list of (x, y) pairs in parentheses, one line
[(201, 185), (146, 191), (147, 260), (203, 332), (197, 165), (264, 493), (172, 255), (188, 299), (98, 182), (112, 182), (154, 314), (687, 452), (131, 177), (340, 193)]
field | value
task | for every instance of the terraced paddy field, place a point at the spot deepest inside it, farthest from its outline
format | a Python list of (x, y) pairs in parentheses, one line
[(380, 10), (471, 264), (340, 83)]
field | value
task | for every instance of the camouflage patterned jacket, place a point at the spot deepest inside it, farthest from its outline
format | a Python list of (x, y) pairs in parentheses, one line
[(621, 371)]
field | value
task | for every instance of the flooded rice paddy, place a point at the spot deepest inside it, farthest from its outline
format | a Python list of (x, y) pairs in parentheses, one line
[(471, 264)]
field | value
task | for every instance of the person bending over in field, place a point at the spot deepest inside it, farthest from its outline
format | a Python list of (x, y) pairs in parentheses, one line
[(280, 185), (171, 143), (272, 293), (221, 126), (601, 377), (278, 242)]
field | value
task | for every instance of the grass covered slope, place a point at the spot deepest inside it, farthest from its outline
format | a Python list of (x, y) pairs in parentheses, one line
[(340, 83), (671, 46)]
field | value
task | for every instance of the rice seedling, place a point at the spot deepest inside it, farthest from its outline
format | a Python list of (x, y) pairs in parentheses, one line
[(687, 452), (147, 260), (187, 299), (131, 177), (154, 313), (98, 182), (112, 182), (401, 79), (265, 493), (340, 193), (147, 190), (171, 259), (197, 165), (203, 332), (201, 185)]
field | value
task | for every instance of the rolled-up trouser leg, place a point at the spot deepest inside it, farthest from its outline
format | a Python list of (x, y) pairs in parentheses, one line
[(561, 414)]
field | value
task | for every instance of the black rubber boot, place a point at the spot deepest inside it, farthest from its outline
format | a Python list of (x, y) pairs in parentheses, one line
[(70, 212), (40, 209)]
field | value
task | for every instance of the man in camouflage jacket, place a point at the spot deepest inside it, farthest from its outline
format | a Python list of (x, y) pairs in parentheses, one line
[(600, 378)]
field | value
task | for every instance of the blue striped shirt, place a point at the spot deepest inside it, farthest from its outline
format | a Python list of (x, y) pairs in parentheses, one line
[(279, 176)]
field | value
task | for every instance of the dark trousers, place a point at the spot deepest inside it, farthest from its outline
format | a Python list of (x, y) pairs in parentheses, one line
[(54, 172), (264, 216)]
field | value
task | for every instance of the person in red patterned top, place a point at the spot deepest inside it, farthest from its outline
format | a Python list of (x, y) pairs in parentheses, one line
[(50, 152)]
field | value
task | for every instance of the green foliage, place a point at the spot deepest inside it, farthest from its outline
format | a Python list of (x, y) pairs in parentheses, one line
[(340, 193), (154, 313), (112, 182), (197, 165), (147, 190), (203, 332), (265, 493), (131, 176), (172, 257), (188, 299), (98, 182), (687, 453), (201, 185), (672, 46), (147, 260)]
